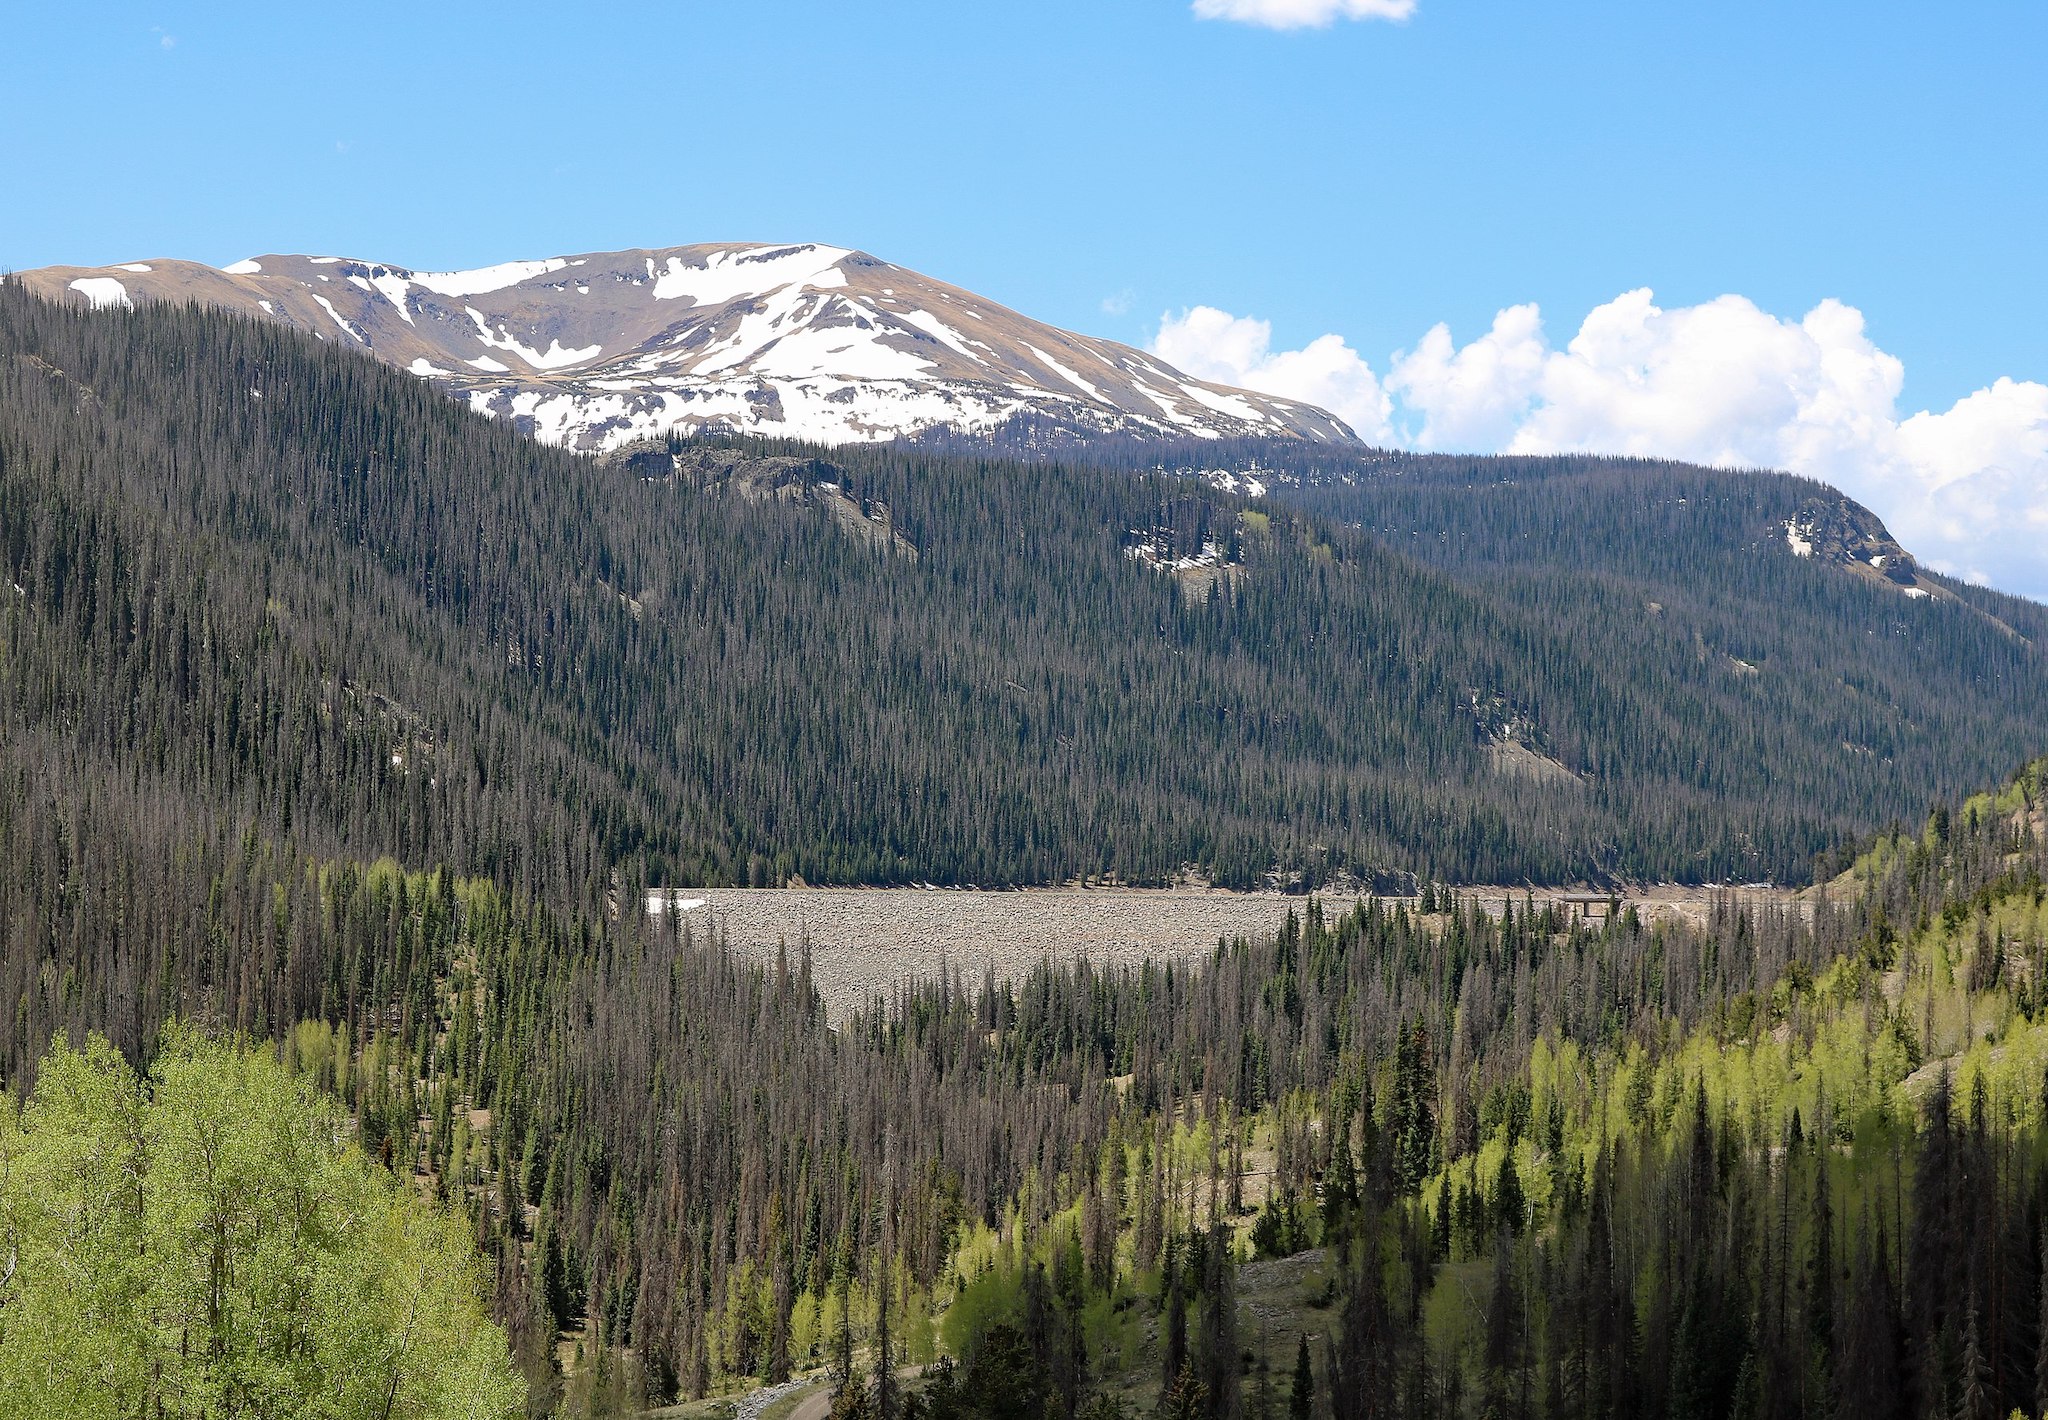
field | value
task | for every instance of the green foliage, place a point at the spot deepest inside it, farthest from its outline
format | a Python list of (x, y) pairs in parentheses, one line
[(203, 1241), (994, 1298), (1301, 1392)]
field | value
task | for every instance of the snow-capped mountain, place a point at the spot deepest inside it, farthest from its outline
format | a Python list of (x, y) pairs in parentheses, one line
[(806, 341)]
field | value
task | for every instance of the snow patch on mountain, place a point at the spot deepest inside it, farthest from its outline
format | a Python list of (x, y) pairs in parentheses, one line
[(798, 340), (553, 358), (727, 275), (340, 320), (485, 279), (393, 288), (103, 291)]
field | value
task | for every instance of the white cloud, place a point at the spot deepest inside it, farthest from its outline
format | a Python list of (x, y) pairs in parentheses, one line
[(1237, 350), (1727, 383), (1979, 501), (1471, 398), (1301, 14), (1119, 303), (1723, 382)]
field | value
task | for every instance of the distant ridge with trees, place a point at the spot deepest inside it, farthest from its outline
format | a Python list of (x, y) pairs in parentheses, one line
[(279, 585)]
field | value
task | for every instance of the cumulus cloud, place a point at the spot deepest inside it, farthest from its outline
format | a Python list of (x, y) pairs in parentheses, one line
[(1237, 350), (1723, 382), (1471, 398), (1978, 497), (1301, 14)]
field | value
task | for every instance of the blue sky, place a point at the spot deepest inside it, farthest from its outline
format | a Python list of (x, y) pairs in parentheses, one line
[(1121, 166)]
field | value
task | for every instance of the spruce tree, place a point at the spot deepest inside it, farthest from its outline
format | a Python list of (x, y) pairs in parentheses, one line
[(1221, 1373), (1301, 1394), (1820, 1272)]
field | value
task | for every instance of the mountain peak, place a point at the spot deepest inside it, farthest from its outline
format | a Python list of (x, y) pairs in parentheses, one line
[(799, 340)]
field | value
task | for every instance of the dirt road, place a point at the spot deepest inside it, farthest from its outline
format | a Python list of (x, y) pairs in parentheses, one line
[(815, 1406)]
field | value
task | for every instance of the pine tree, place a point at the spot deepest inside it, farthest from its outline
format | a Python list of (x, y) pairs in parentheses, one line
[(1364, 1365), (1175, 1357), (1511, 1205), (1301, 1395), (1220, 1370), (1185, 1399), (853, 1400), (885, 1360), (842, 1338), (1932, 1248), (1871, 1381), (1974, 1395), (1504, 1337), (2041, 1335), (1820, 1272)]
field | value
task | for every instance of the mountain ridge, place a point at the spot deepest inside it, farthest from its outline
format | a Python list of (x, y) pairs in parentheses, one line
[(882, 664), (801, 340)]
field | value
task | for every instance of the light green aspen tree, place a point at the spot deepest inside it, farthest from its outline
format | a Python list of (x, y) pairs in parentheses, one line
[(205, 1243)]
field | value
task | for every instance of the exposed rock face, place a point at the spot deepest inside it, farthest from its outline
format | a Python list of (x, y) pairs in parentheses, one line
[(1847, 535)]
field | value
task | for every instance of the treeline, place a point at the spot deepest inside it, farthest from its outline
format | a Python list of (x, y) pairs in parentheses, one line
[(314, 597)]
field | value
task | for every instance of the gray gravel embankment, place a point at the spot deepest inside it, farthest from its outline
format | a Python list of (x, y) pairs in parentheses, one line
[(865, 940)]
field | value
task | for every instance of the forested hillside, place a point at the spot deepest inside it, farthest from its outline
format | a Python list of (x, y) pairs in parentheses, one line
[(1646, 1169), (1568, 533), (338, 717), (1784, 1164), (265, 586), (1674, 575)]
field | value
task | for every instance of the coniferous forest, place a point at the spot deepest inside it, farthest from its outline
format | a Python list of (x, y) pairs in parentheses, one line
[(349, 726), (284, 580)]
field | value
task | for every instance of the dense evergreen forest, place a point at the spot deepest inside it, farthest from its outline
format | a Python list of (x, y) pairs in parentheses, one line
[(280, 586), (1645, 559), (1783, 1162), (1649, 521)]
